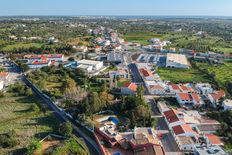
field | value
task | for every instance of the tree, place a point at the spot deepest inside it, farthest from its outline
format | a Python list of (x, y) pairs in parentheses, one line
[(28, 92), (65, 129), (106, 98), (140, 92), (104, 87), (96, 102)]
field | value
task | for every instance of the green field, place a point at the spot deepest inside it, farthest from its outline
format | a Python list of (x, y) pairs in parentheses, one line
[(141, 37), (182, 75), (221, 73), (22, 46), (121, 82), (183, 40), (16, 114)]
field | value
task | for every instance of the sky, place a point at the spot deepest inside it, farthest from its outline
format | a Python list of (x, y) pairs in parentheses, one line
[(117, 7)]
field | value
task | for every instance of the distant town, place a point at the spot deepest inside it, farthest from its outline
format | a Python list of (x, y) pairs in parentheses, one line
[(115, 86)]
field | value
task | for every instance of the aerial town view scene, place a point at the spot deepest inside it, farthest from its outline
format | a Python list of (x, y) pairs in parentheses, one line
[(123, 77)]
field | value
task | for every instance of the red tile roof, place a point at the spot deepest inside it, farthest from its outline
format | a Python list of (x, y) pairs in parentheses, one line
[(195, 97), (4, 74), (131, 86), (217, 95), (43, 56), (184, 88), (171, 116), (215, 140), (184, 128), (146, 72), (37, 62), (184, 96), (175, 87)]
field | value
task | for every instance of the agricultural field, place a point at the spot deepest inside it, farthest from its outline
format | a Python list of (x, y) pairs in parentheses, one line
[(182, 75), (183, 40), (80, 41), (222, 74), (21, 46), (140, 37), (18, 113)]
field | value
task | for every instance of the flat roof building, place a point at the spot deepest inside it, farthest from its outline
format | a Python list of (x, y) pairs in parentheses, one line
[(90, 65), (177, 61), (211, 150)]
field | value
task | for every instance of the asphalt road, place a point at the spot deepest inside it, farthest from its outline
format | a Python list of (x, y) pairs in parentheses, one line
[(136, 78)]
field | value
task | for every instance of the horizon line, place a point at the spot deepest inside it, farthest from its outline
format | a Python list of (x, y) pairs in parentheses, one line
[(120, 15)]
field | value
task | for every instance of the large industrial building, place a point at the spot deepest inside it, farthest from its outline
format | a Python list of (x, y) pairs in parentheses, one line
[(177, 61), (90, 66)]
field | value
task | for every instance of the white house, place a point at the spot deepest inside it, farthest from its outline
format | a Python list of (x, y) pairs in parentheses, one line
[(1, 84), (146, 74), (183, 130), (174, 88), (215, 97), (186, 143), (173, 118), (49, 57), (4, 75), (35, 64), (129, 89), (177, 61), (204, 88), (189, 99), (185, 137), (162, 106), (120, 73), (227, 104), (212, 139), (155, 88)]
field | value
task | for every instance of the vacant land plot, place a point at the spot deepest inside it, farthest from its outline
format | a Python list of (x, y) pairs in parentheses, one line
[(21, 46), (182, 75), (141, 37), (16, 114), (222, 74)]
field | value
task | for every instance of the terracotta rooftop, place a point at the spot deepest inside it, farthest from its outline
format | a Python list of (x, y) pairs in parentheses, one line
[(217, 95), (185, 128), (131, 86), (175, 87), (184, 96), (195, 97), (146, 72), (171, 115), (4, 74), (215, 140)]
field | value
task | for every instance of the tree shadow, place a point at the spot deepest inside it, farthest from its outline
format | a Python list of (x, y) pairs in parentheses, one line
[(21, 151), (22, 111), (46, 120)]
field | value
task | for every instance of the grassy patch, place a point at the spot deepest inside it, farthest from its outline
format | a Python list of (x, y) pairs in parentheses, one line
[(16, 113), (22, 46), (182, 75), (121, 82), (222, 74), (141, 37)]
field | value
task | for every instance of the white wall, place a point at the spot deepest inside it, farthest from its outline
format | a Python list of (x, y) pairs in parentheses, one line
[(1, 85)]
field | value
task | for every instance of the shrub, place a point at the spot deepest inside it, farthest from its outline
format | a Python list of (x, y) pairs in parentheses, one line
[(65, 129), (34, 146)]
